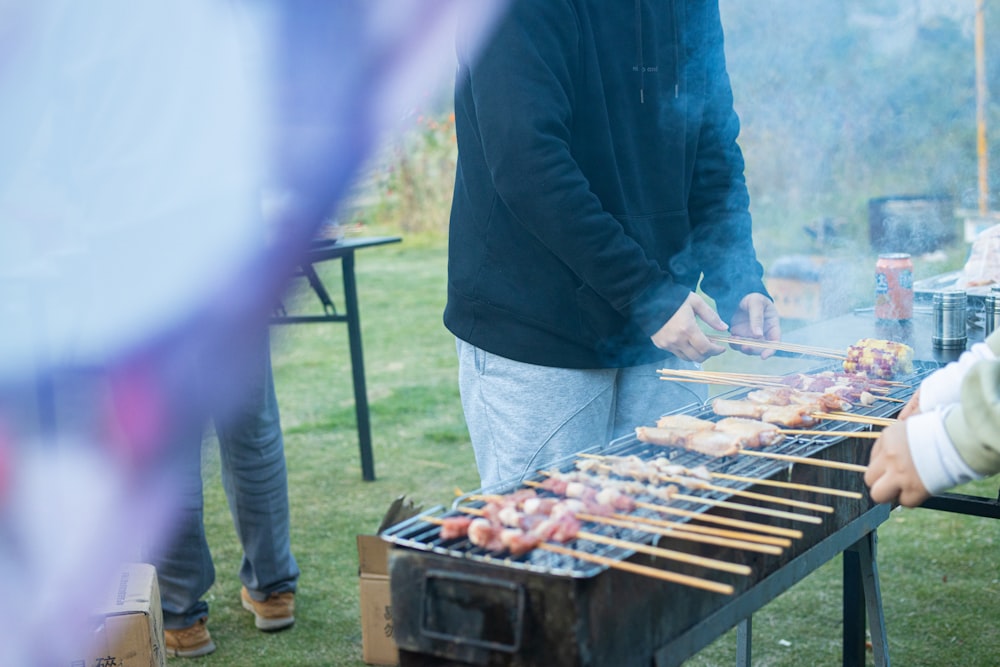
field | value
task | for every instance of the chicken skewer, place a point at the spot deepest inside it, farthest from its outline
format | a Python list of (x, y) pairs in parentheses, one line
[(670, 494), (755, 480), (693, 482), (857, 389), (634, 568), (669, 554), (712, 442), (731, 539)]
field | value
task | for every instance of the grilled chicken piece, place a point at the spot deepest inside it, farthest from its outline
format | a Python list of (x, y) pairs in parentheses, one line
[(685, 422), (751, 432), (709, 442), (775, 396), (725, 407), (659, 435), (793, 416), (712, 443), (825, 401)]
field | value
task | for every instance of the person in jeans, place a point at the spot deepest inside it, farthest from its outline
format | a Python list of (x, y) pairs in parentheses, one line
[(599, 185), (251, 451)]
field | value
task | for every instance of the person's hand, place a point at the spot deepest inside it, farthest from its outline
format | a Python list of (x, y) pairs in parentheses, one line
[(757, 317), (912, 406), (682, 336), (891, 475)]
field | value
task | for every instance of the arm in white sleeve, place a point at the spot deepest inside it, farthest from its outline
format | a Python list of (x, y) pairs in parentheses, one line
[(944, 386), (934, 455)]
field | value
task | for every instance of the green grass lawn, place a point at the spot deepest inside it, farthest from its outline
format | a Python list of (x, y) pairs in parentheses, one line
[(940, 573)]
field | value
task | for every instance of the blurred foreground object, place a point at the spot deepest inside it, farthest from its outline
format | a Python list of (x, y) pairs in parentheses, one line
[(137, 142)]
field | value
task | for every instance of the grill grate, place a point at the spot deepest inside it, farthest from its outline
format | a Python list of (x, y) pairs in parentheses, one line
[(421, 533)]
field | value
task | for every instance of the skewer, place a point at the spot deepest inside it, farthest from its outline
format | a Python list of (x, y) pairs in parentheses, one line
[(793, 533), (806, 460), (847, 434), (873, 386), (857, 419), (671, 532), (749, 494), (656, 573), (752, 509), (710, 563), (780, 345), (680, 530), (686, 526), (635, 568), (669, 554), (764, 482), (791, 485)]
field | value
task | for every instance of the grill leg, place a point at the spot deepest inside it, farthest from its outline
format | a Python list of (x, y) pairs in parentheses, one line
[(862, 594), (743, 642)]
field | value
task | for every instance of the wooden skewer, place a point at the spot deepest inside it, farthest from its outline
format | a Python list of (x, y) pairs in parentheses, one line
[(746, 494), (656, 573), (679, 534), (791, 485), (847, 434), (806, 460), (764, 482), (793, 533), (669, 554), (752, 381), (752, 509), (676, 527), (857, 419), (801, 504), (683, 531), (780, 345)]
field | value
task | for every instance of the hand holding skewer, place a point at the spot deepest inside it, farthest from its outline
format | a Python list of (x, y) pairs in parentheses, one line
[(757, 318), (681, 335), (891, 474)]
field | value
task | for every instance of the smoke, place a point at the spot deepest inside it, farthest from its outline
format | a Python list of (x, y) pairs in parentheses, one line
[(844, 102)]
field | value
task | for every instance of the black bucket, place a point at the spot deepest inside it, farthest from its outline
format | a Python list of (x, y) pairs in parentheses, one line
[(913, 224)]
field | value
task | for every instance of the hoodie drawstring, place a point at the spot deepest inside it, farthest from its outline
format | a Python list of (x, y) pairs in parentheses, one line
[(639, 51), (642, 67)]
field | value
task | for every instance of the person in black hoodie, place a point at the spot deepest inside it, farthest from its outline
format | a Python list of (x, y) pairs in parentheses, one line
[(598, 182)]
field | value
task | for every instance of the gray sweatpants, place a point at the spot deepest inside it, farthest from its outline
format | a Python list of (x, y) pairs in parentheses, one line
[(522, 417)]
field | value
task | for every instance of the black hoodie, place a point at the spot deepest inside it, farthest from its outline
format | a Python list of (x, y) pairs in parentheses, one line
[(598, 180)]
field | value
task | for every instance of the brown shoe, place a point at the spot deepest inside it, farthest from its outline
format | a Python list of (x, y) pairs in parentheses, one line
[(275, 613), (189, 642)]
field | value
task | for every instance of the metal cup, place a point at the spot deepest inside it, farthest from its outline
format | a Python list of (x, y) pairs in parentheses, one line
[(950, 319)]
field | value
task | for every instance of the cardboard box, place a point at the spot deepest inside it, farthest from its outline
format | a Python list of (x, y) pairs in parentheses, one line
[(129, 627), (378, 647)]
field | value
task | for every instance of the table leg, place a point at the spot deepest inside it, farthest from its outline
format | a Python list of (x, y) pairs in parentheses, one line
[(358, 368)]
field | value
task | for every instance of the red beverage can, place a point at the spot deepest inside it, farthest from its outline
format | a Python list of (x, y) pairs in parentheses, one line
[(894, 287)]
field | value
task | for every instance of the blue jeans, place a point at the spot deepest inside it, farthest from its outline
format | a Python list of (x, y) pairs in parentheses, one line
[(522, 417), (254, 477)]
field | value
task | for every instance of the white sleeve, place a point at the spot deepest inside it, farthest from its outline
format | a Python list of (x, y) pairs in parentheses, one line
[(935, 458), (944, 386)]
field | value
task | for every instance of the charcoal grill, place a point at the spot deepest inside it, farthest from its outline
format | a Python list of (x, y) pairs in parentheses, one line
[(456, 604)]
